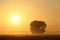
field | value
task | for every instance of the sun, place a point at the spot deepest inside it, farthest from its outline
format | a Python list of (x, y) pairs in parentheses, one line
[(15, 19)]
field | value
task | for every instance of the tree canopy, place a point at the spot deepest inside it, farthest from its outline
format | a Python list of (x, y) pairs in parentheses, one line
[(37, 26)]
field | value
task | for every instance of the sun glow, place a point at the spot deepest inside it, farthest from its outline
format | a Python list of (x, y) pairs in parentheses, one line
[(15, 19)]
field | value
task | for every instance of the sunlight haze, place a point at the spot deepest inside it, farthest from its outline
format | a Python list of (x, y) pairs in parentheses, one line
[(23, 12)]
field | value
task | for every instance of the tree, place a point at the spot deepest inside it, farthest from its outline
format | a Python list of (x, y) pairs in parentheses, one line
[(37, 26)]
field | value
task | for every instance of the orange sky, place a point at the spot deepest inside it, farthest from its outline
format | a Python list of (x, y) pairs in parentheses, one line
[(29, 10)]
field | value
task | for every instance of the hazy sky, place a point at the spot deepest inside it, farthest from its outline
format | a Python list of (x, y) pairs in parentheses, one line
[(29, 10)]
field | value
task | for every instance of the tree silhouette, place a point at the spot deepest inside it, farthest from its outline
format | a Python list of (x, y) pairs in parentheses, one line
[(37, 26)]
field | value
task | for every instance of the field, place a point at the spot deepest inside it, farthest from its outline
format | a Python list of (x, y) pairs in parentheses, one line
[(30, 37)]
